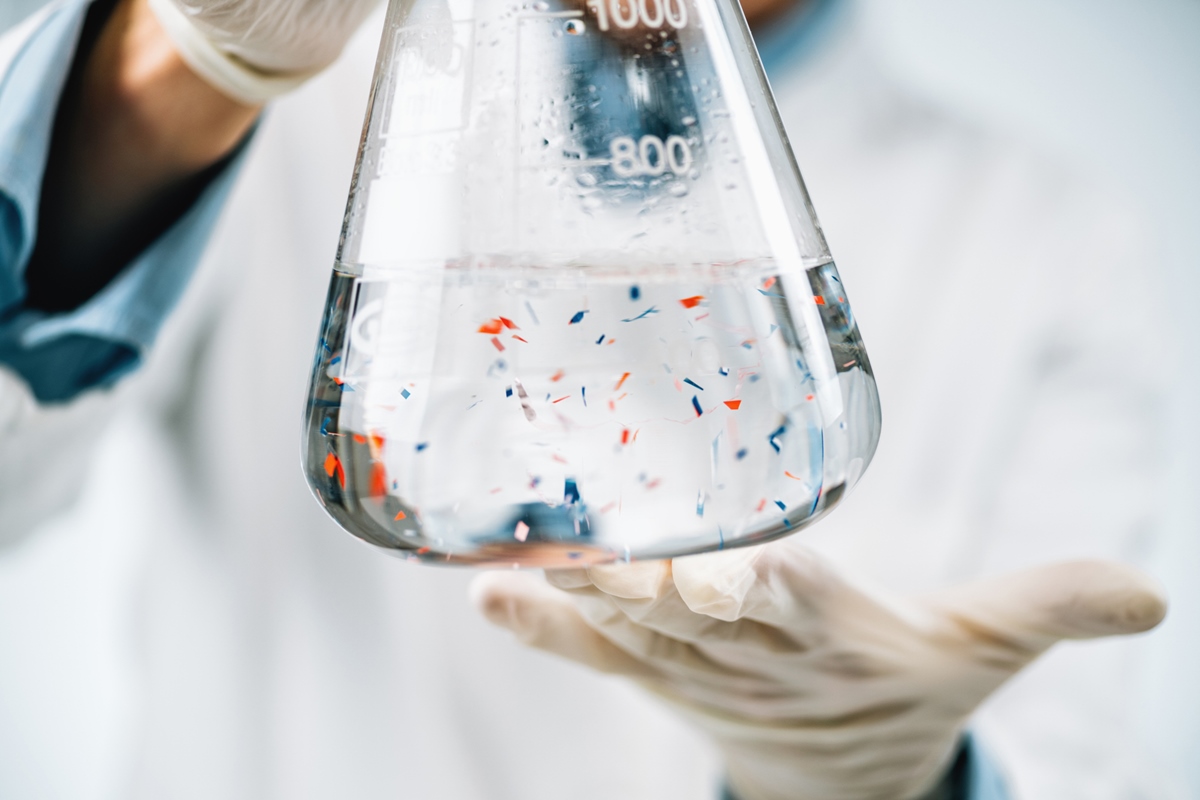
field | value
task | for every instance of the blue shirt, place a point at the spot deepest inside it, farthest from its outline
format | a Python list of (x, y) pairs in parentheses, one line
[(63, 355)]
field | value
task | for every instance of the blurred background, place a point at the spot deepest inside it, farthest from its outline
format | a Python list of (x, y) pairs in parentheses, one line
[(1110, 87)]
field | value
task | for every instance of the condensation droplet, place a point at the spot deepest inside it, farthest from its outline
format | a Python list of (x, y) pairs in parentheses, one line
[(678, 189), (575, 27), (586, 179), (688, 120)]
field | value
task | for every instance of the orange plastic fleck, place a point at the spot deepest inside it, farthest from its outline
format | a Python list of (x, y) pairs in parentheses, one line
[(625, 436), (401, 516), (819, 300), (621, 382), (508, 323), (556, 377), (769, 282), (734, 404), (360, 439), (378, 480), (692, 302), (793, 477), (331, 464), (496, 343), (492, 326)]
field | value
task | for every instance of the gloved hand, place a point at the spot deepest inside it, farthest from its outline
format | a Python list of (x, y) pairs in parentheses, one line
[(814, 686), (254, 50)]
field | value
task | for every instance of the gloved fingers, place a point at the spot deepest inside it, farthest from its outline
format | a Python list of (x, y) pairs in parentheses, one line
[(645, 592), (545, 618), (1029, 611), (782, 585)]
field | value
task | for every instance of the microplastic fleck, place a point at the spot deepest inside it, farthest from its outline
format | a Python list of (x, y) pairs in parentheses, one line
[(359, 438), (790, 475), (781, 505), (492, 326), (508, 392), (401, 515), (765, 293), (578, 318), (782, 429), (742, 453), (556, 377), (522, 532), (692, 302), (508, 323), (696, 405), (405, 393), (625, 436), (809, 397), (570, 491), (643, 315), (601, 339), (422, 447), (532, 315), (819, 300), (761, 504), (530, 413), (496, 343), (748, 344), (700, 504), (520, 338), (621, 382), (723, 372), (331, 464), (564, 397), (583, 394), (634, 293), (734, 405), (691, 382), (769, 282), (849, 364)]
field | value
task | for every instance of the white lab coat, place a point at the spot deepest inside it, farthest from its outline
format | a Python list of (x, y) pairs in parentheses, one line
[(274, 656)]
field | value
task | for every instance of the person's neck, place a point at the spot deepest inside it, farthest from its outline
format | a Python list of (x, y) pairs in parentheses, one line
[(762, 14)]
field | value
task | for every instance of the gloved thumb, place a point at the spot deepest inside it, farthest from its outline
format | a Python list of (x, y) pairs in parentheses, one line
[(545, 618), (1035, 608)]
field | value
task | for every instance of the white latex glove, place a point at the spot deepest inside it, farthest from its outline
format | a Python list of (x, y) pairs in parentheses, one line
[(254, 50), (812, 686)]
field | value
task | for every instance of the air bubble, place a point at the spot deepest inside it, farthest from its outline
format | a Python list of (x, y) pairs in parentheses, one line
[(575, 27), (678, 189), (586, 179), (688, 120)]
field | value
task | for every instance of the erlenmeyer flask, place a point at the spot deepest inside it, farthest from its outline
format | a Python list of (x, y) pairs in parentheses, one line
[(583, 310)]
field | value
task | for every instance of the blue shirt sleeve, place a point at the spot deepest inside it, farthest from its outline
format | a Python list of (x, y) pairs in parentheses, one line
[(63, 355), (972, 776)]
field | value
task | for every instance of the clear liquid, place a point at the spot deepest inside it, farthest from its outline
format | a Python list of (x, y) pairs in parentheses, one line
[(573, 416)]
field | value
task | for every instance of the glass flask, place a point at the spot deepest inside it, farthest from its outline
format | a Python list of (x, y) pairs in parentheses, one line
[(583, 310)]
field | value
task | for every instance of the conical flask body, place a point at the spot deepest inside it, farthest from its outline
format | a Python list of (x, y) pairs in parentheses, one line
[(583, 310)]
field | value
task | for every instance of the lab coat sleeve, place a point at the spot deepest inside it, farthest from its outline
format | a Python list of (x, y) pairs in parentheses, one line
[(58, 372)]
